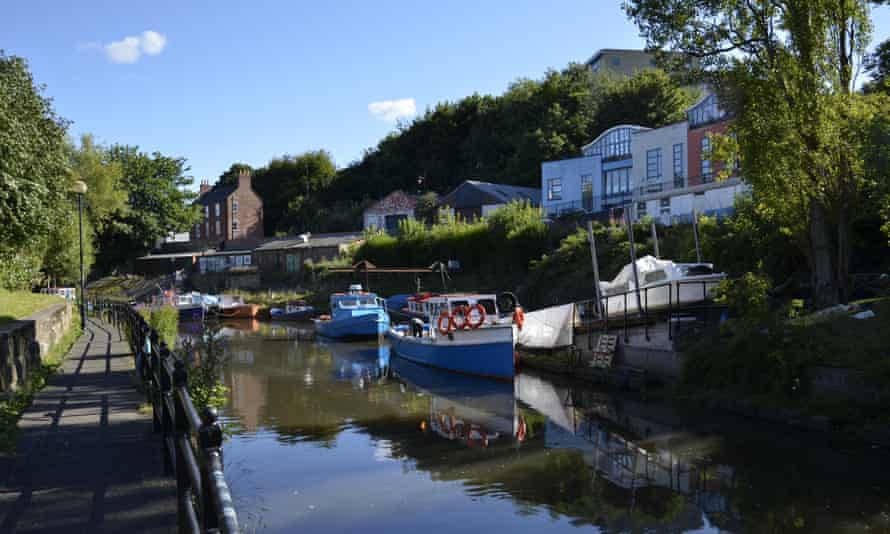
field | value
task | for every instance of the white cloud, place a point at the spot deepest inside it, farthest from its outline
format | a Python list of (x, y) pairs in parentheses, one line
[(393, 110), (130, 48), (153, 42)]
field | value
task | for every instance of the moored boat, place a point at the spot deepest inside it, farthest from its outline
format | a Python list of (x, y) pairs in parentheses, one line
[(663, 284), (354, 314), (464, 333), (234, 307), (189, 308), (293, 311)]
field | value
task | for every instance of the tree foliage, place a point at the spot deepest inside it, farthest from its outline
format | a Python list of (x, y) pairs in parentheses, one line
[(505, 138), (289, 186), (785, 68), (34, 177), (106, 195)]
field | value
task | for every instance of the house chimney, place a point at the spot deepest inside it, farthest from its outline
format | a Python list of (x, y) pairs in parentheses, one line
[(244, 179), (204, 186)]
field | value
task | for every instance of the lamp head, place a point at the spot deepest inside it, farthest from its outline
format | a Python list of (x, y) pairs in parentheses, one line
[(79, 187)]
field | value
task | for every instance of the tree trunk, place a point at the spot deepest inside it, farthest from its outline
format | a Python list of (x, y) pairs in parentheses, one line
[(822, 265), (842, 260)]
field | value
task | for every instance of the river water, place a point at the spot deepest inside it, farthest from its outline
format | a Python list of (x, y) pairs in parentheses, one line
[(344, 437)]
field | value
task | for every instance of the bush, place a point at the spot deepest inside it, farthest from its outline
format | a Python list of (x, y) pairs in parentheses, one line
[(166, 321)]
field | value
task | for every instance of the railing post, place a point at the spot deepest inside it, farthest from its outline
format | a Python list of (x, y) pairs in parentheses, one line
[(210, 440), (165, 393), (181, 425)]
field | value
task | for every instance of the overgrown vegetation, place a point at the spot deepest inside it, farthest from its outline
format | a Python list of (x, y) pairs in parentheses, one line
[(205, 356), (164, 319), (12, 407)]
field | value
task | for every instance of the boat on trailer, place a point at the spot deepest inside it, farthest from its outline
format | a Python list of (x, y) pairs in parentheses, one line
[(663, 284), (354, 314), (463, 332)]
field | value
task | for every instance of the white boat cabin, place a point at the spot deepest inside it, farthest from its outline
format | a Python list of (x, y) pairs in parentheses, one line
[(355, 298), (433, 305)]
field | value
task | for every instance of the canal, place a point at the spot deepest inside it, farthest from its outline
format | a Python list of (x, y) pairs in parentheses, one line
[(343, 437)]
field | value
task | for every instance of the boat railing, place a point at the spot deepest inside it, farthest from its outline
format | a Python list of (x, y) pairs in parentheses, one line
[(675, 308)]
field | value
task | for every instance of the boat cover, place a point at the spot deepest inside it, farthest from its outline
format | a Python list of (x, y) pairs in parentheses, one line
[(547, 328)]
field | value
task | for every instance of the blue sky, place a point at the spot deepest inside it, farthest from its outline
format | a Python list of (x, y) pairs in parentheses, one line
[(219, 82)]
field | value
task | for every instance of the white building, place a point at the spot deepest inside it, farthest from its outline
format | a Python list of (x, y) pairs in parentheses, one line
[(571, 185)]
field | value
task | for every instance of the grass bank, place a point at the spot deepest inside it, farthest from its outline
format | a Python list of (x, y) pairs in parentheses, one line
[(20, 304), (11, 409)]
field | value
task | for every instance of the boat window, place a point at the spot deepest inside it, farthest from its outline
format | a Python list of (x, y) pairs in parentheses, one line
[(458, 303), (655, 276), (696, 270), (488, 304)]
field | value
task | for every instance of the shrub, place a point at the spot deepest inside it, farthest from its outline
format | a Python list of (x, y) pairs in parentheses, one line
[(165, 320)]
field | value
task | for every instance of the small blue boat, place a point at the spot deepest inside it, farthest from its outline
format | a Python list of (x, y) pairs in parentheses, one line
[(190, 308), (355, 314), (469, 336)]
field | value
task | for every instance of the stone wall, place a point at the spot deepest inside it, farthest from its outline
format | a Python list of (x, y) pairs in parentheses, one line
[(23, 343)]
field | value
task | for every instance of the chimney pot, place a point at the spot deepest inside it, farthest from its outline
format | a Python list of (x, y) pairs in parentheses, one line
[(204, 186)]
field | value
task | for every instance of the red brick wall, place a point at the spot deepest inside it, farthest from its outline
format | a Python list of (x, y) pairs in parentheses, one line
[(694, 139), (250, 212)]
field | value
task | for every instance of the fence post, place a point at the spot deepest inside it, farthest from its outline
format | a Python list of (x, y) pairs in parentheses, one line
[(166, 417), (210, 440), (181, 425)]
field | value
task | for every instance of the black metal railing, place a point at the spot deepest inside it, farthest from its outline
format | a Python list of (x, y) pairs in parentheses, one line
[(192, 442), (591, 315)]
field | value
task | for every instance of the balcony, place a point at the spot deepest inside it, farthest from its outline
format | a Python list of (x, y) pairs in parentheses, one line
[(589, 205)]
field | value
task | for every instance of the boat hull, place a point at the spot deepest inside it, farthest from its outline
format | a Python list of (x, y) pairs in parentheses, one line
[(484, 352), (191, 313), (245, 311), (303, 315), (355, 327)]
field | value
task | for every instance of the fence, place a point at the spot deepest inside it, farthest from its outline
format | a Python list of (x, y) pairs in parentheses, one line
[(192, 443), (679, 303)]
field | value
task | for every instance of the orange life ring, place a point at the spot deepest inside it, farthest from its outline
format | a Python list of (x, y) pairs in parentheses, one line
[(460, 312), (474, 325), (519, 317), (448, 325)]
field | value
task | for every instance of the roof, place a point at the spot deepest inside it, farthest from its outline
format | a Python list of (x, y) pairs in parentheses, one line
[(315, 241), (635, 127), (397, 200), (602, 51), (217, 194), (500, 193), (172, 255)]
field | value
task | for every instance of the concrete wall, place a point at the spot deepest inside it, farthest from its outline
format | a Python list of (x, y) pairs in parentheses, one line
[(23, 343)]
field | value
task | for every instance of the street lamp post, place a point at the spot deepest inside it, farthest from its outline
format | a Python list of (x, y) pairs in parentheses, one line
[(80, 188)]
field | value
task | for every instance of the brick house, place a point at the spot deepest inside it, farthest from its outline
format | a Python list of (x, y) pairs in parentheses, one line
[(229, 213), (705, 117)]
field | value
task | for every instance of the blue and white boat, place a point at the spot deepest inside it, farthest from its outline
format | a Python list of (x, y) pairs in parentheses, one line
[(190, 307), (355, 314), (464, 333)]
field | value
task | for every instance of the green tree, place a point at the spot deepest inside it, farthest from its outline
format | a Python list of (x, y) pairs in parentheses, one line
[(61, 259), (785, 67), (877, 65), (289, 185), (34, 178), (157, 204), (106, 197), (230, 177)]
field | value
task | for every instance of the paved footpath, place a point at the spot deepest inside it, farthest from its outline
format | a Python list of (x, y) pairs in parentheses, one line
[(86, 459)]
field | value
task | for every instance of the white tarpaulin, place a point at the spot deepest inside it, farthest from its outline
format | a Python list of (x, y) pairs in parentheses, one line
[(547, 328)]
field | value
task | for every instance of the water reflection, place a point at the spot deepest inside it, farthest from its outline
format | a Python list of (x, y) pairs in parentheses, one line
[(319, 425)]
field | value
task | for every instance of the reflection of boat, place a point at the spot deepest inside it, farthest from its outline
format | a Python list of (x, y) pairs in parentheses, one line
[(354, 314), (663, 284), (465, 333), (293, 311), (360, 366), (473, 410), (234, 307)]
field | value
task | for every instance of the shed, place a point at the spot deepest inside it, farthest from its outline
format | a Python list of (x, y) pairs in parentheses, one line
[(386, 213), (473, 199), (289, 254)]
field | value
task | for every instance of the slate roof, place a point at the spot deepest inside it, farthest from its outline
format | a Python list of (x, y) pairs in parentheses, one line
[(315, 241), (397, 200), (473, 193), (217, 194)]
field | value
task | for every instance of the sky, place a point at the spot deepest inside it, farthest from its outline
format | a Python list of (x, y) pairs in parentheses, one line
[(223, 82)]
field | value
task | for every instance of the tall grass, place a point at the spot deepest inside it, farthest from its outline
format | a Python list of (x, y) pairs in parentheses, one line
[(165, 320)]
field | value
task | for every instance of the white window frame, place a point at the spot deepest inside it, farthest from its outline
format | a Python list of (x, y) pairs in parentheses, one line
[(554, 189)]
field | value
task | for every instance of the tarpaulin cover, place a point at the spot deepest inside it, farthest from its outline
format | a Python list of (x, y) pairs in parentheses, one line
[(547, 328)]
